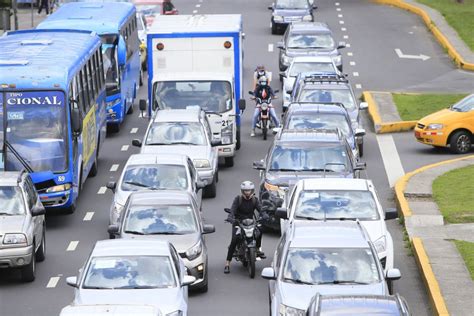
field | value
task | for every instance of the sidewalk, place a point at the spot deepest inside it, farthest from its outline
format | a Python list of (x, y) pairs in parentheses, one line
[(423, 220), (25, 18)]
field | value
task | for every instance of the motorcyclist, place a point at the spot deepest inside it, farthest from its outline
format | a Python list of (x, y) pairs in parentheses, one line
[(263, 91), (260, 72), (168, 7), (243, 207)]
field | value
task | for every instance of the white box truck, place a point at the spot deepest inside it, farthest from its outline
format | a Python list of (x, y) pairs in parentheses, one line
[(197, 60)]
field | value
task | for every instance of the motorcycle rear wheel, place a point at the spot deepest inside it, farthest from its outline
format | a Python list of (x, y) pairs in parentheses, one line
[(264, 130), (251, 262)]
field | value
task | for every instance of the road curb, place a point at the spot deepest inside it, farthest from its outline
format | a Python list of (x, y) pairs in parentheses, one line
[(384, 127), (452, 52)]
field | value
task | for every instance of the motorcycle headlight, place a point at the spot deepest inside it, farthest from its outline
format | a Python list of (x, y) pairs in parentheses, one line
[(13, 239), (308, 18), (193, 252), (264, 106), (434, 126), (380, 244), (227, 134), (277, 18), (248, 232), (201, 163), (285, 60), (337, 59), (59, 188), (291, 311)]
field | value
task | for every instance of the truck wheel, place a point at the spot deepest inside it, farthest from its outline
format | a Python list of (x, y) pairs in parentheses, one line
[(28, 272), (460, 142), (237, 145), (229, 161)]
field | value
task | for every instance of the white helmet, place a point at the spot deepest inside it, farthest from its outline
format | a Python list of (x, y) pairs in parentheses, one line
[(247, 188), (262, 80)]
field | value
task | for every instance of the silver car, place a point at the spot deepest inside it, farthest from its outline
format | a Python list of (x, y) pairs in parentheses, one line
[(110, 310), (185, 132), (154, 172), (327, 258), (147, 272), (171, 216), (22, 224)]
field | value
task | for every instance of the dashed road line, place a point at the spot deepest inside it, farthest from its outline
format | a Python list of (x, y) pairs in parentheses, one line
[(355, 74), (72, 245), (195, 11), (102, 190), (348, 45), (352, 63), (338, 9), (88, 216), (350, 54), (358, 86), (114, 167), (341, 22), (391, 159), (343, 29), (270, 48), (340, 16), (53, 281), (346, 36), (134, 130), (125, 147), (198, 5), (337, 3)]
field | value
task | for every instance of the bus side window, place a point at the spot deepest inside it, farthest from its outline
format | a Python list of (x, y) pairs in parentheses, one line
[(92, 78), (81, 91), (96, 73), (90, 83), (85, 86), (101, 67)]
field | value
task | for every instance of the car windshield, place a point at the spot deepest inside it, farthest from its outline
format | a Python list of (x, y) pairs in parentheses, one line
[(336, 205), (363, 305), (292, 4), (310, 67), (139, 177), (160, 219), (129, 272), (309, 158), (190, 133), (318, 121), (36, 129), (109, 53), (330, 266), (211, 96), (11, 201), (311, 41), (465, 105), (343, 96)]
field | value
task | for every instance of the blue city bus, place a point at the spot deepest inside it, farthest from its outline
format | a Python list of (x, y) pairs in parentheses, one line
[(116, 24), (52, 110)]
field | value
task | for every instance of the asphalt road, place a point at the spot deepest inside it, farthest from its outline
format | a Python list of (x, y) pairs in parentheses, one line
[(373, 33)]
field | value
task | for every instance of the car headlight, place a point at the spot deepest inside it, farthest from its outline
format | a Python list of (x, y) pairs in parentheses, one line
[(434, 126), (227, 134), (308, 18), (113, 103), (13, 239), (175, 313), (201, 163), (277, 18), (380, 244), (291, 311), (59, 188), (193, 252), (285, 60), (337, 59)]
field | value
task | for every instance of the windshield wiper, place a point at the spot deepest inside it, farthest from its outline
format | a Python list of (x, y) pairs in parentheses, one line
[(19, 157), (298, 281), (156, 144), (181, 143), (138, 184), (310, 218), (283, 169), (165, 233), (5, 213), (137, 287), (134, 232), (343, 282)]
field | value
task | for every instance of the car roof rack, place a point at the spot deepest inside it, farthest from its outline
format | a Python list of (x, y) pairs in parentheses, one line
[(339, 104), (325, 77), (316, 130)]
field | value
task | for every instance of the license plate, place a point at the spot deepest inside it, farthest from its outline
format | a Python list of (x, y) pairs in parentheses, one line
[(264, 116)]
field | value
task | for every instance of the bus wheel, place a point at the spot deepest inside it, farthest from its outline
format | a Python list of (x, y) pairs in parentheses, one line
[(94, 168), (130, 109), (113, 128)]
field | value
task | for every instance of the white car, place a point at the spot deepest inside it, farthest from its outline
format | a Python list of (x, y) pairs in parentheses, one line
[(341, 199), (186, 132), (110, 310), (154, 172), (304, 64), (148, 272)]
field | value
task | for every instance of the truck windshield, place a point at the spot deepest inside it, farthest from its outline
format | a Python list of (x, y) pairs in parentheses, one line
[(35, 127), (109, 52), (211, 96)]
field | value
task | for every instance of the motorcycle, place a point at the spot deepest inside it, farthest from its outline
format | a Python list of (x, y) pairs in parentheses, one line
[(264, 106), (246, 249)]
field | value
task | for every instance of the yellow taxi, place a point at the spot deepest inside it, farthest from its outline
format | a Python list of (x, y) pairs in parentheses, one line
[(452, 127)]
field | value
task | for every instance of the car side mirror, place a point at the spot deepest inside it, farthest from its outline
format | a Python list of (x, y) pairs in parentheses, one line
[(363, 106), (111, 185), (227, 210), (259, 165), (360, 166), (142, 105), (359, 132), (242, 104), (341, 45), (280, 45), (38, 210), (251, 93), (201, 184), (391, 213), (270, 7), (268, 273), (281, 212), (113, 229), (208, 229), (76, 121), (393, 275), (121, 51), (188, 280), (216, 142), (137, 143), (72, 281), (276, 91)]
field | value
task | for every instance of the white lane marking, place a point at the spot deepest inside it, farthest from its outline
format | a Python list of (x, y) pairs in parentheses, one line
[(355, 74), (134, 130), (114, 167), (102, 190), (125, 147), (343, 29), (346, 36), (337, 3), (88, 216), (198, 5), (338, 9), (348, 45), (349, 54), (270, 48), (53, 281), (402, 55), (341, 22), (352, 63), (340, 16), (358, 86), (270, 24), (72, 245), (410, 32), (195, 11), (391, 159)]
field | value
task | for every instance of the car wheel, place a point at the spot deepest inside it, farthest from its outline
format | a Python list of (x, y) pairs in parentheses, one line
[(28, 272), (41, 253), (210, 191), (361, 149), (237, 145), (229, 161), (113, 128), (460, 142), (204, 287), (274, 28)]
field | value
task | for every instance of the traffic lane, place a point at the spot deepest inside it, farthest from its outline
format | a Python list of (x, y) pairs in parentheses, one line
[(375, 31)]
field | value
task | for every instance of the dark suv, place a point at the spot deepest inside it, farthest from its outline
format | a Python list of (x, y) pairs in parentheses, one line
[(285, 12), (309, 38)]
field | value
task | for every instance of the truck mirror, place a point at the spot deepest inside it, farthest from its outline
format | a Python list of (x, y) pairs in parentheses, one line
[(242, 104), (121, 52), (76, 121)]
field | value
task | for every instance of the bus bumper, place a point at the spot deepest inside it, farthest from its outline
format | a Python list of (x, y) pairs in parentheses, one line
[(115, 110), (57, 199)]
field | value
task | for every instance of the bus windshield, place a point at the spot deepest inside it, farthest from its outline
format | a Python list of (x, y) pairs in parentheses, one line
[(35, 127), (109, 52)]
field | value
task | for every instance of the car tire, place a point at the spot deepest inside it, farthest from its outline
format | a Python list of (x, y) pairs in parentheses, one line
[(210, 191), (204, 287), (229, 161), (460, 142), (237, 145), (41, 253), (28, 272), (113, 128), (274, 28), (361, 149)]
